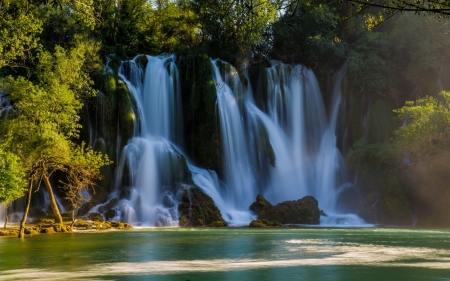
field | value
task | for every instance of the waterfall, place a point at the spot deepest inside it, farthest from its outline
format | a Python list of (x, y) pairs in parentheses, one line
[(284, 151), (150, 159)]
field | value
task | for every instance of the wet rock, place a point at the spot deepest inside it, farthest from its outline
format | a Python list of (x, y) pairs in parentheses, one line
[(110, 214), (48, 230), (37, 214), (265, 223), (121, 225), (9, 233), (94, 216), (32, 230), (108, 206), (302, 211), (198, 209)]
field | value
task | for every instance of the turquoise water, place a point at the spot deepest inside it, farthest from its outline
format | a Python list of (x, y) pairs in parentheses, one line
[(230, 254)]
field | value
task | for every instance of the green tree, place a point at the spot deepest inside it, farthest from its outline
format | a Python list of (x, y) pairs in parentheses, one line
[(12, 179), (82, 172), (44, 123), (308, 33), (229, 29)]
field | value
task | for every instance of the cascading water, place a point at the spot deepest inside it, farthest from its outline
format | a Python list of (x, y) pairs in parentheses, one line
[(284, 152), (150, 159)]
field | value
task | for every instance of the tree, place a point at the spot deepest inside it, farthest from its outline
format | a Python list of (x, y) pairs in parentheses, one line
[(12, 179), (18, 34), (439, 7), (82, 171), (309, 33), (230, 28), (44, 122)]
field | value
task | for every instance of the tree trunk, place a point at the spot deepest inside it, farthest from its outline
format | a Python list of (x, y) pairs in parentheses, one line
[(73, 218), (25, 212), (53, 204), (6, 213)]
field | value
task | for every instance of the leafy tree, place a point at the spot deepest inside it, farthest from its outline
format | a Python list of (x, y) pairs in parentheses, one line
[(44, 122), (12, 179), (440, 7), (18, 34), (230, 28), (309, 33), (82, 171)]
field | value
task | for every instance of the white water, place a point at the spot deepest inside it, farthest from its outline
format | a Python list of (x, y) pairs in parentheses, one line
[(300, 134), (150, 159), (285, 153)]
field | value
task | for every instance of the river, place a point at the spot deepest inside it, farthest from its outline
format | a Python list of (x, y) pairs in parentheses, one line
[(230, 254)]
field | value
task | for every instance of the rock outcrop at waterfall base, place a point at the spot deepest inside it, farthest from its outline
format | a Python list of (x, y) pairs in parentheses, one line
[(198, 209), (302, 211)]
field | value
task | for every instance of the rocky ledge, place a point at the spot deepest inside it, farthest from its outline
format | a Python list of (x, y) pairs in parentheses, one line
[(302, 211), (198, 209)]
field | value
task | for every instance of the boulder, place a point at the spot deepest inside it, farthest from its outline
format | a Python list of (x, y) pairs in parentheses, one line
[(108, 206), (48, 230), (302, 211), (110, 214), (94, 216), (265, 223), (198, 209)]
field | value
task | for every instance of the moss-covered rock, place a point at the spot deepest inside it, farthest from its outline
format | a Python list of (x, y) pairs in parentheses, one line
[(120, 225), (48, 230), (302, 211), (201, 123), (264, 223), (9, 233), (94, 216), (198, 209)]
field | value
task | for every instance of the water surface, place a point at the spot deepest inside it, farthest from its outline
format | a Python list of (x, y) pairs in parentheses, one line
[(230, 254)]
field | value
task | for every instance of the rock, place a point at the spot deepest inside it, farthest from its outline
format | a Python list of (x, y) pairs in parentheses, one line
[(37, 214), (260, 205), (198, 209), (9, 233), (110, 214), (265, 223), (48, 230), (30, 230), (302, 211), (102, 225), (81, 223), (108, 206), (94, 216)]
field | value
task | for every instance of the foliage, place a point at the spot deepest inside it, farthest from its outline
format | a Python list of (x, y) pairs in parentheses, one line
[(439, 8), (18, 34), (12, 177), (427, 126), (45, 117), (310, 35), (82, 171), (367, 156), (228, 29)]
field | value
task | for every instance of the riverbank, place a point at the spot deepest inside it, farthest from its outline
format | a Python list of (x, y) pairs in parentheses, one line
[(49, 227)]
